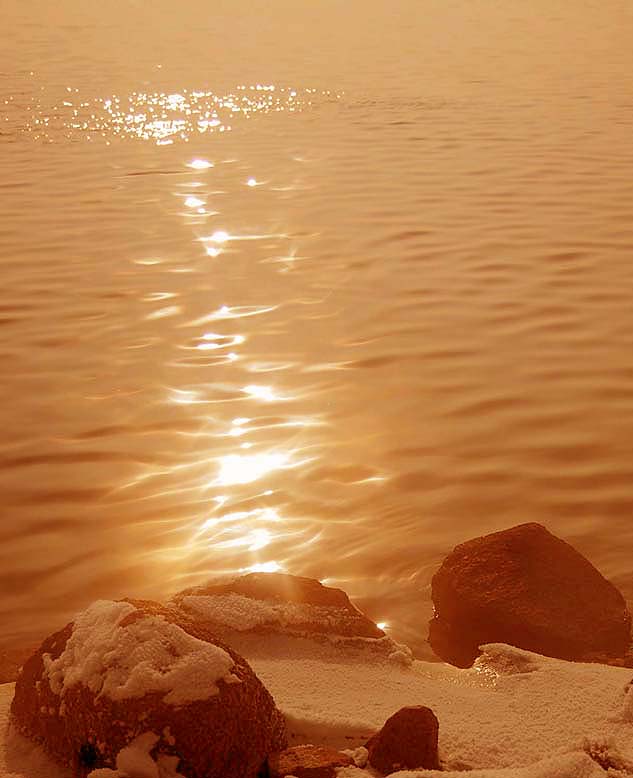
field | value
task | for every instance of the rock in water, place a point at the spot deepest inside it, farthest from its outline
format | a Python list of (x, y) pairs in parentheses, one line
[(407, 741), (277, 602), (132, 669), (528, 588), (307, 762)]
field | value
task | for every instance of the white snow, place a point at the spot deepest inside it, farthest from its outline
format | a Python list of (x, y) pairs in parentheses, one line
[(512, 710), (564, 766), (135, 761), (148, 654), (513, 715), (245, 613)]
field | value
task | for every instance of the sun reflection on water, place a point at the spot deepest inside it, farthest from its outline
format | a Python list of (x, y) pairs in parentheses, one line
[(163, 117), (244, 469)]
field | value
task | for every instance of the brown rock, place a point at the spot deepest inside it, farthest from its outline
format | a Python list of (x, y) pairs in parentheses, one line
[(307, 762), (295, 605), (528, 588), (407, 741), (84, 723)]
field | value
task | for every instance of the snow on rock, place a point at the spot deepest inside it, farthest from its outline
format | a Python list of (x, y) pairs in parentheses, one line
[(251, 606), (116, 650), (125, 669), (278, 602), (243, 613), (135, 761)]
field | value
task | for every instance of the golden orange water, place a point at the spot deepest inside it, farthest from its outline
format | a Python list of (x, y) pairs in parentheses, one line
[(317, 287)]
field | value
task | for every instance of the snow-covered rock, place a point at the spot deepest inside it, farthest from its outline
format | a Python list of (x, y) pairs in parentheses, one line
[(277, 602), (122, 670)]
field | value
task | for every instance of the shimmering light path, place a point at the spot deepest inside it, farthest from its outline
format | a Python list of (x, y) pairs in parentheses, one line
[(324, 288)]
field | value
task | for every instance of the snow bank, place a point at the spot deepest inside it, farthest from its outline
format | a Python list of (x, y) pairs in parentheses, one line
[(117, 651), (564, 766), (513, 715), (511, 710)]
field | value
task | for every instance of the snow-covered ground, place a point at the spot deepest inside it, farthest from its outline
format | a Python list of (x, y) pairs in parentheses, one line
[(513, 715)]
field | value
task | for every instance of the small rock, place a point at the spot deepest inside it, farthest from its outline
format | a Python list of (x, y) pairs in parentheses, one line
[(407, 741), (307, 762), (525, 587)]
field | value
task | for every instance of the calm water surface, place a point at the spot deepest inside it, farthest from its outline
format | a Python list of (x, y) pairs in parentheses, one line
[(321, 287)]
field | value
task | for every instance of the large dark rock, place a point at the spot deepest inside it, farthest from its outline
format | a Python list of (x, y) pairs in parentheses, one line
[(307, 761), (528, 588), (276, 602), (407, 741), (132, 672)]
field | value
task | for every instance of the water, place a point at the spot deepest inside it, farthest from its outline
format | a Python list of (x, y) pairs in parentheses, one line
[(326, 288)]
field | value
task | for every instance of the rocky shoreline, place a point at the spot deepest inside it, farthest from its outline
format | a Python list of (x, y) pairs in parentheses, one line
[(271, 675)]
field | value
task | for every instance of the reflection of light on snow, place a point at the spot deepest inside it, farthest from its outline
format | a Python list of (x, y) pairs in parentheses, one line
[(200, 164), (381, 624), (193, 202), (258, 392), (263, 567), (238, 469)]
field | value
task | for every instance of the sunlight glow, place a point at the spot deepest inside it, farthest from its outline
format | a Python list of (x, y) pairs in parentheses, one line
[(260, 392), (184, 396), (193, 202), (238, 469), (382, 624), (200, 164), (263, 567)]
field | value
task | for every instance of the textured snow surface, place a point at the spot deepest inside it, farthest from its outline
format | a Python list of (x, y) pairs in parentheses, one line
[(513, 709), (564, 766), (130, 659), (243, 613), (514, 715)]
